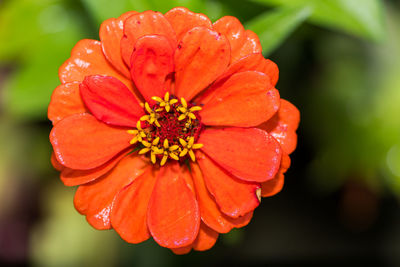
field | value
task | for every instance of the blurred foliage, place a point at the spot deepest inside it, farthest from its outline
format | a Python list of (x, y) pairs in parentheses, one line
[(358, 96), (274, 27), (363, 18)]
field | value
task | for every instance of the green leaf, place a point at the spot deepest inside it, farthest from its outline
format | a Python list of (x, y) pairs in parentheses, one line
[(39, 46), (363, 18), (104, 9), (274, 27)]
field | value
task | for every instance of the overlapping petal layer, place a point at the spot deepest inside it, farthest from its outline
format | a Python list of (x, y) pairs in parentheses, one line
[(216, 67), (95, 200)]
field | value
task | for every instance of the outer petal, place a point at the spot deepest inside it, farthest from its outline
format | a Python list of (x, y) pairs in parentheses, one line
[(111, 32), (87, 59), (201, 57), (282, 126), (206, 238), (242, 42), (275, 185), (249, 154), (211, 215), (95, 199), (204, 241), (110, 101), (57, 165), (65, 100), (173, 215), (245, 99), (234, 197), (141, 24), (71, 177), (82, 142), (255, 62), (153, 63), (183, 20), (129, 212)]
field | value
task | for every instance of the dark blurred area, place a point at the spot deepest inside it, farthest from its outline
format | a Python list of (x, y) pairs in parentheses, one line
[(340, 202)]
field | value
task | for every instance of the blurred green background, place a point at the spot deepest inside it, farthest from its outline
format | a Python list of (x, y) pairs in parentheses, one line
[(339, 64)]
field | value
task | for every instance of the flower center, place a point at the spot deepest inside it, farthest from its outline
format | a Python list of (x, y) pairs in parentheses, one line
[(169, 130)]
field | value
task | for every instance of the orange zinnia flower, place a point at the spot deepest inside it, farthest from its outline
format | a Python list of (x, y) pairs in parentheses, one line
[(171, 126)]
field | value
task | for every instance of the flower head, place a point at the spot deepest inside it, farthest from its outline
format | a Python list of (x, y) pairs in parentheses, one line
[(172, 127)]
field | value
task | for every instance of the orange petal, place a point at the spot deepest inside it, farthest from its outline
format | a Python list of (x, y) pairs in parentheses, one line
[(201, 57), (65, 100), (182, 250), (173, 215), (283, 125), (234, 197), (250, 46), (255, 62), (204, 241), (242, 42), (129, 212), (153, 61), (95, 200), (249, 154), (71, 177), (111, 32), (87, 59), (206, 238), (56, 165), (141, 24), (82, 142), (245, 99), (110, 101), (182, 20), (210, 212), (275, 185)]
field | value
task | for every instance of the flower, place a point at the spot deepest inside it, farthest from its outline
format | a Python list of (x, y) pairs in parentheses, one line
[(171, 126)]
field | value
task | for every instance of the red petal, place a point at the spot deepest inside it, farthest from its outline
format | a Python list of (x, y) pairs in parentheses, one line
[(250, 46), (87, 59), (245, 99), (95, 200), (275, 185), (57, 165), (242, 42), (153, 61), (182, 20), (111, 32), (255, 62), (204, 241), (141, 24), (71, 177), (182, 250), (129, 212), (210, 212), (82, 142), (234, 197), (201, 57), (249, 154), (110, 101), (65, 100), (173, 217), (282, 126), (206, 238)]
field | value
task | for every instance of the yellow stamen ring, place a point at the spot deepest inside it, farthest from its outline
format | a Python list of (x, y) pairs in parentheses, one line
[(165, 109)]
